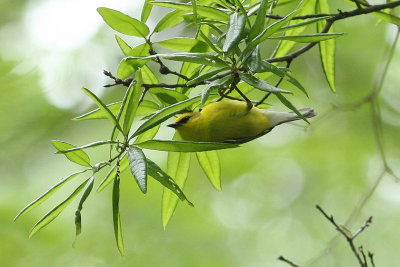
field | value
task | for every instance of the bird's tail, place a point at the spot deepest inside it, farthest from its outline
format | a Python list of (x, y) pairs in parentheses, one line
[(277, 118)]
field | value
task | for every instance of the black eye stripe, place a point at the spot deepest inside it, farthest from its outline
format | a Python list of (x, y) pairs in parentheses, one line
[(184, 119)]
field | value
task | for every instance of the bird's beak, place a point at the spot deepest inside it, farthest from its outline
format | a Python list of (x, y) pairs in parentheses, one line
[(173, 125)]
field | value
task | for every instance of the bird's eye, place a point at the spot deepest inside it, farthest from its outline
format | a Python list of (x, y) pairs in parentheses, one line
[(184, 119)]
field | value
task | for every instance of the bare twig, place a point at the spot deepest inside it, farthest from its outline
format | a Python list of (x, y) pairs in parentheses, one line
[(371, 258), (281, 258)]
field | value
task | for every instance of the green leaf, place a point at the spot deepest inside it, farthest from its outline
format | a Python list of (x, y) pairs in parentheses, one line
[(236, 32), (98, 113), (158, 174), (138, 166), (123, 45), (327, 49), (184, 44), (51, 215), (116, 216), (210, 43), (164, 114), (147, 7), (129, 66), (260, 84), (178, 168), (79, 157), (47, 194), (209, 162), (123, 164), (103, 107), (214, 84), (303, 23), (166, 96), (123, 23), (308, 38), (198, 58), (170, 20), (259, 23), (148, 135), (86, 192), (74, 150), (207, 75), (296, 83), (204, 11), (183, 146), (132, 103), (254, 61), (289, 105)]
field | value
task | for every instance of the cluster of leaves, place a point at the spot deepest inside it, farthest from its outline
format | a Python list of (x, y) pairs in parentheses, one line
[(223, 60)]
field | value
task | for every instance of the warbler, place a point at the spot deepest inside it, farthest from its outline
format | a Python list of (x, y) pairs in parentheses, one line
[(231, 121)]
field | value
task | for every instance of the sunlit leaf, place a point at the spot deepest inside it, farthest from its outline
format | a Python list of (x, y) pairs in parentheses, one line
[(132, 103), (308, 38), (74, 150), (123, 164), (129, 66), (158, 174), (103, 107), (116, 216), (235, 33), (79, 156), (146, 10), (123, 45), (198, 58), (207, 75), (165, 113), (303, 23), (147, 135), (138, 166), (166, 96), (214, 84), (209, 162), (51, 215), (86, 192), (184, 146), (178, 168), (184, 44), (123, 23), (47, 194), (258, 25), (260, 84), (170, 20)]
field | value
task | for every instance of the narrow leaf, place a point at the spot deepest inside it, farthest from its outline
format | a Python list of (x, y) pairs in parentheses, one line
[(79, 149), (127, 67), (146, 11), (158, 174), (123, 164), (303, 23), (148, 135), (289, 105), (51, 215), (166, 96), (123, 23), (198, 58), (259, 23), (116, 216), (260, 84), (209, 162), (86, 192), (138, 166), (79, 157), (103, 107), (178, 168), (308, 38), (47, 194), (207, 75), (123, 45), (236, 32), (183, 146), (132, 103), (214, 84), (184, 44), (170, 20)]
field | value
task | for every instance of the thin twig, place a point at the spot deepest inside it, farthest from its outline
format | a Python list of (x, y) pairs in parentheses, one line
[(281, 258), (371, 258)]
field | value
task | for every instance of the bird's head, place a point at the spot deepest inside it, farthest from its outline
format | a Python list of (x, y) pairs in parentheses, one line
[(183, 120)]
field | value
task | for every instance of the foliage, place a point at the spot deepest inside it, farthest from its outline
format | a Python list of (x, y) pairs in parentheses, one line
[(223, 60)]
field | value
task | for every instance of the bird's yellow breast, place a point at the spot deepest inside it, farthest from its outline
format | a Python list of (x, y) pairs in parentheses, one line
[(225, 120)]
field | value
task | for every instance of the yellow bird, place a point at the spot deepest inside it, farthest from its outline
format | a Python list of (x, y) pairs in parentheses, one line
[(231, 121)]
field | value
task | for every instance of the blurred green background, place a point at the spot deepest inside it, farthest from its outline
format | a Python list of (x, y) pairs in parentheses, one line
[(50, 49)]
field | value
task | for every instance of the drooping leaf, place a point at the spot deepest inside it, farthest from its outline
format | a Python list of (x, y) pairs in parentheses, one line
[(210, 43), (198, 58), (209, 162), (308, 38), (207, 75), (170, 20), (178, 168), (132, 103), (327, 49), (47, 194), (296, 83), (184, 44), (79, 156), (184, 146), (86, 192), (123, 164), (138, 166), (51, 215), (289, 105), (204, 11), (147, 7), (236, 32), (74, 150), (148, 135), (129, 66), (165, 113), (158, 174), (125, 48), (303, 23), (123, 23), (260, 84), (103, 107), (166, 96), (116, 216)]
